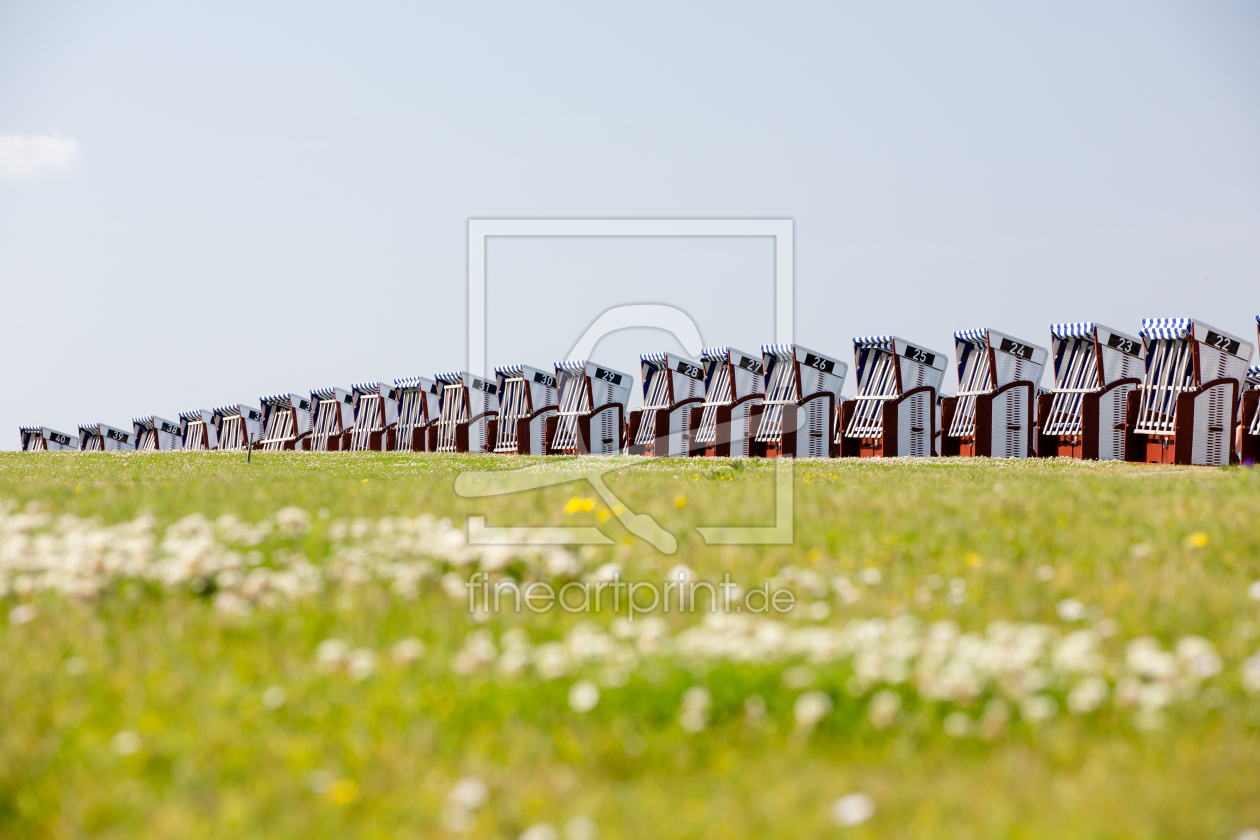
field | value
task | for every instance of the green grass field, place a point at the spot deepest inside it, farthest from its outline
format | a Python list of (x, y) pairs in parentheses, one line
[(194, 646)]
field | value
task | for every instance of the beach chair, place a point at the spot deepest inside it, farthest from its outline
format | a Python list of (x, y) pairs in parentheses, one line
[(375, 417), (97, 437), (993, 413), (1186, 411), (237, 427), (286, 423), (333, 418), (44, 439), (153, 434), (197, 431), (527, 397), (797, 417), (468, 413), (417, 414), (894, 413), (672, 387), (591, 415), (1095, 370), (732, 386), (1249, 415)]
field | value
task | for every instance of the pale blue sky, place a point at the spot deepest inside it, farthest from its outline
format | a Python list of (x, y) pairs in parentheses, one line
[(274, 197)]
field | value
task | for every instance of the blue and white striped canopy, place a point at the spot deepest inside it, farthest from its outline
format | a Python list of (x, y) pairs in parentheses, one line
[(1253, 375), (450, 377), (510, 370), (89, 429), (227, 410), (980, 336), (710, 354), (329, 393), (883, 342), (1167, 328), (410, 382), (195, 414), (361, 388), (654, 358), (782, 351), (281, 400), (575, 366), (1082, 329), (145, 422)]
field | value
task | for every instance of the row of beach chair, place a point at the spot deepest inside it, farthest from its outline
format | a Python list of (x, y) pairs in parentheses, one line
[(1180, 392)]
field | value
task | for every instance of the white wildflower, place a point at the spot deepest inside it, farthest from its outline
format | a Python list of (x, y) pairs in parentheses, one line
[(755, 710), (1251, 674), (1038, 708), (332, 655), (478, 652), (581, 827), (22, 614), (539, 831), (293, 521), (1087, 695), (273, 697), (1198, 658), (362, 664), (694, 715), (406, 651), (469, 794), (583, 696), (798, 677), (74, 666), (883, 708), (853, 809), (126, 742), (810, 708), (870, 576), (1070, 610)]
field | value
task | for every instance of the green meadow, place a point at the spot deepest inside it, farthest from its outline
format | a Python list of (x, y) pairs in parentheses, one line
[(192, 645)]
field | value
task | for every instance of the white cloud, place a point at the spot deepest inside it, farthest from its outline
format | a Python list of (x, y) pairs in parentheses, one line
[(31, 155)]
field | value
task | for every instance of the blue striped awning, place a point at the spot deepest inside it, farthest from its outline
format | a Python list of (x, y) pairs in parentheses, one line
[(510, 370), (574, 366), (883, 342), (362, 388), (450, 377), (1082, 329), (1167, 328), (712, 354), (277, 400), (1253, 375), (329, 393), (195, 414), (781, 351), (411, 382)]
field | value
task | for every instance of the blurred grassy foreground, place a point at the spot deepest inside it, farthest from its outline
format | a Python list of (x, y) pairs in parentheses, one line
[(197, 704)]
